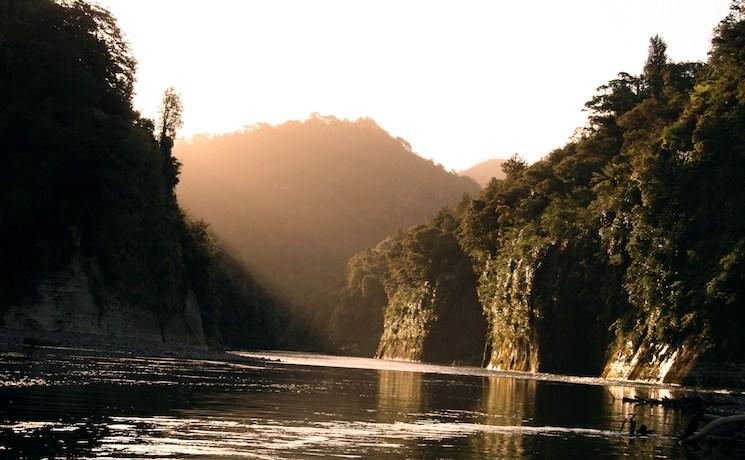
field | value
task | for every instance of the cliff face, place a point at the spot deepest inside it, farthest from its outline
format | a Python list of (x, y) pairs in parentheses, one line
[(559, 308), (73, 303), (85, 179), (409, 316), (692, 359), (657, 362), (544, 306), (549, 306), (424, 285), (506, 290), (439, 324)]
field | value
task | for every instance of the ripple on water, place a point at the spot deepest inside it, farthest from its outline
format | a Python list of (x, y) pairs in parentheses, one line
[(163, 436), (128, 407)]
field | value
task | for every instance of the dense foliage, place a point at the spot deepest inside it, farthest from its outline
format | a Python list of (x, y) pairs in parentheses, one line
[(79, 167), (83, 174), (632, 233)]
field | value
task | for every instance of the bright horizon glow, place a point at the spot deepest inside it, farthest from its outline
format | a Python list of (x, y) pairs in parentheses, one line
[(462, 81)]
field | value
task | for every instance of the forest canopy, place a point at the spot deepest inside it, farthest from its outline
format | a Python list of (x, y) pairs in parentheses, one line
[(632, 233), (84, 176)]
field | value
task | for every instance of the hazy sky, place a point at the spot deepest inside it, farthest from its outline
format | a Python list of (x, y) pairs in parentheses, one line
[(462, 81)]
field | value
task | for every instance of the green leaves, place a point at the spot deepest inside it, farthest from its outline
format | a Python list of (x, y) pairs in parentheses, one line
[(647, 204)]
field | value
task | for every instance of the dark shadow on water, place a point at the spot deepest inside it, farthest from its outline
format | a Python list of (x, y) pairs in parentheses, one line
[(66, 405)]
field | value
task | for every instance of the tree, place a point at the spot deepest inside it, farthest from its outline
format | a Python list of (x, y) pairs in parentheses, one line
[(170, 116), (513, 166), (170, 122), (614, 99), (66, 78), (655, 65)]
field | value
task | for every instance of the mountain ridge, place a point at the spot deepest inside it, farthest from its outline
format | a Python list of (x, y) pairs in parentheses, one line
[(298, 199), (484, 171)]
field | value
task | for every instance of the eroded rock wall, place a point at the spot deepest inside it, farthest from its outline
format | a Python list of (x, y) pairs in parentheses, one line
[(549, 305), (73, 302)]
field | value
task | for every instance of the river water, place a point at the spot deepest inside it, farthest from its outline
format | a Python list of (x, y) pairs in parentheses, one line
[(63, 403)]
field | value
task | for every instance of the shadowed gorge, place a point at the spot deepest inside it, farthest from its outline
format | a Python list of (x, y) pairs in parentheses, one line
[(297, 200)]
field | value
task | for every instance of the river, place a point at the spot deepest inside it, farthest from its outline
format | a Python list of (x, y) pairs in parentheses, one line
[(66, 403)]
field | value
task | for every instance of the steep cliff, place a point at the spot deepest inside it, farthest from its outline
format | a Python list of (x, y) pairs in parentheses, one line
[(429, 303), (74, 306), (550, 306)]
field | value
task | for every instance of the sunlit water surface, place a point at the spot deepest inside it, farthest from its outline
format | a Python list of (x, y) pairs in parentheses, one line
[(59, 403)]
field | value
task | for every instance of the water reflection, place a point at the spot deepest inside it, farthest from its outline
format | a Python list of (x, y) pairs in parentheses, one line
[(506, 402), (399, 396), (71, 405)]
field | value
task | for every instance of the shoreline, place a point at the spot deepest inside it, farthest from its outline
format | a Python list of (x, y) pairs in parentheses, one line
[(14, 340)]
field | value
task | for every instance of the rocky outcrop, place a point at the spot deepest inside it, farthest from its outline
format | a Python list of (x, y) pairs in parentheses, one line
[(423, 283), (74, 301), (556, 307), (549, 305), (545, 306), (440, 324), (642, 360), (408, 319), (693, 361)]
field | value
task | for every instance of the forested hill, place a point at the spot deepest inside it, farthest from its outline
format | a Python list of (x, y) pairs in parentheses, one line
[(620, 254), (298, 199), (92, 241)]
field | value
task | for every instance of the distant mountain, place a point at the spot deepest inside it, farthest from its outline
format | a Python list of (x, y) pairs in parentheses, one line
[(299, 199), (484, 171)]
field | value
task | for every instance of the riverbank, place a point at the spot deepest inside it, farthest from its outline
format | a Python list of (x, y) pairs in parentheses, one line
[(13, 340), (86, 404)]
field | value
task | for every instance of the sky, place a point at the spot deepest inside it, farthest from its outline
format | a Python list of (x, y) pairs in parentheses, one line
[(462, 81)]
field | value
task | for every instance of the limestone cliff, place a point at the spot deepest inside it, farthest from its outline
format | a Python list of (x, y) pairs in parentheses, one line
[(656, 362), (425, 287), (546, 306), (693, 359), (74, 302), (559, 306), (408, 319), (440, 323)]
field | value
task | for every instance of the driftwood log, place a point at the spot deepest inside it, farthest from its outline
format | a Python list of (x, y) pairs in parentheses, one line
[(696, 402), (720, 431)]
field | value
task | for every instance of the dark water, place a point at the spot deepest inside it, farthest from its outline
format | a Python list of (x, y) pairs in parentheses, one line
[(81, 404)]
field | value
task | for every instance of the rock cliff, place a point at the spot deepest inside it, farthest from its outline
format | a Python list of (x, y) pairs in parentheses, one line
[(74, 302)]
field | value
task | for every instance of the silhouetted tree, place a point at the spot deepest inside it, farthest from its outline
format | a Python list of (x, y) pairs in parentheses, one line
[(513, 166), (655, 65), (170, 122)]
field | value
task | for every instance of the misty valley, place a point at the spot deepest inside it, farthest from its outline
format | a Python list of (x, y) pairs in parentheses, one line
[(318, 288)]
